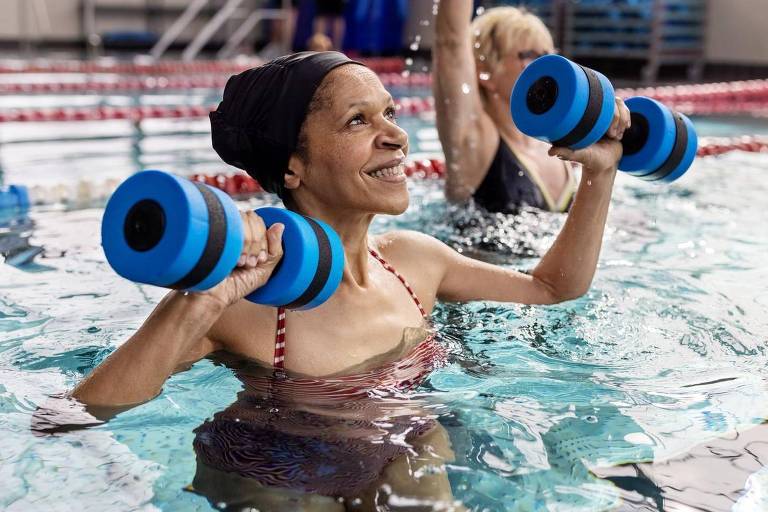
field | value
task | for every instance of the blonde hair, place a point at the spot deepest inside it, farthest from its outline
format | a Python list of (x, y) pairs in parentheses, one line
[(501, 30)]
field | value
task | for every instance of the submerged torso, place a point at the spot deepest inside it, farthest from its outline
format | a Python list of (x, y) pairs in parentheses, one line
[(517, 179)]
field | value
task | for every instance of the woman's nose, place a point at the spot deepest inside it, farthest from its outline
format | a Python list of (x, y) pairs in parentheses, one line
[(392, 137)]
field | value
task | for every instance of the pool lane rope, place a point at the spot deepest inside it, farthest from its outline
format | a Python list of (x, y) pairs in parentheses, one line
[(405, 106), (378, 64), (241, 186), (113, 84), (754, 106)]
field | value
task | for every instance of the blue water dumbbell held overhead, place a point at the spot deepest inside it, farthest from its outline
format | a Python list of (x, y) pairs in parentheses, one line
[(568, 105), (168, 231)]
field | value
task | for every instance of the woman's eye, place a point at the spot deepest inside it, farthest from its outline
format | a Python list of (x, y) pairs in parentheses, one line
[(356, 119), (391, 113)]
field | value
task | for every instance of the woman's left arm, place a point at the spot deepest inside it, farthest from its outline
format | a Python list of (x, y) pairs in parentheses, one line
[(566, 270)]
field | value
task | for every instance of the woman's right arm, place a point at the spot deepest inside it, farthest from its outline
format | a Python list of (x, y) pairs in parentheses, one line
[(467, 134), (177, 331)]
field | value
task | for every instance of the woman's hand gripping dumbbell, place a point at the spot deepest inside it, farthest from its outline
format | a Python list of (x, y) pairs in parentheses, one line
[(168, 231), (262, 251), (571, 106)]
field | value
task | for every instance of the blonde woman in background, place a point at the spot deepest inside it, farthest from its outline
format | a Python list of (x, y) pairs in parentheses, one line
[(475, 66)]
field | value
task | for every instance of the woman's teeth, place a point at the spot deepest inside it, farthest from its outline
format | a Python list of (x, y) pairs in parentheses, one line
[(389, 172)]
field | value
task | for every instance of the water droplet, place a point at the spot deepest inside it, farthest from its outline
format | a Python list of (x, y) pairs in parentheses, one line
[(485, 75), (465, 88), (481, 57), (520, 173), (414, 46), (424, 23), (409, 61), (589, 183), (480, 10), (477, 44), (405, 74)]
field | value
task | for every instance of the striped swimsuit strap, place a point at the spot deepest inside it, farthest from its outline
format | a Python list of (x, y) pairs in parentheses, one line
[(279, 358)]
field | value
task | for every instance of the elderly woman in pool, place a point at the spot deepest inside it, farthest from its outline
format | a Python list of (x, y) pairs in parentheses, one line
[(475, 66), (335, 152)]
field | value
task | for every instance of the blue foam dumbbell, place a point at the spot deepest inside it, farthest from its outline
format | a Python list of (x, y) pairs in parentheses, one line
[(568, 105), (168, 231)]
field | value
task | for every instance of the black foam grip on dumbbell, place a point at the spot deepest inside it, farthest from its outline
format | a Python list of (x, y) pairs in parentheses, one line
[(636, 136), (676, 155), (323, 267), (214, 246), (591, 112)]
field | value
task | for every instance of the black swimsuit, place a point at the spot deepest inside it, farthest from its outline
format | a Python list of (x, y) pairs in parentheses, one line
[(508, 186)]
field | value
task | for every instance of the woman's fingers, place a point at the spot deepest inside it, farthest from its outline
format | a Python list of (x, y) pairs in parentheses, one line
[(621, 120), (625, 117), (261, 245), (275, 242), (600, 156), (255, 240)]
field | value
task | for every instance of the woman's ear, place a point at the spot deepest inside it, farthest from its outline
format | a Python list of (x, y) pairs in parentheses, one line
[(295, 172)]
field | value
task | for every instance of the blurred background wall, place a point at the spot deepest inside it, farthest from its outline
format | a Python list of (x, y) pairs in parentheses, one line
[(735, 31)]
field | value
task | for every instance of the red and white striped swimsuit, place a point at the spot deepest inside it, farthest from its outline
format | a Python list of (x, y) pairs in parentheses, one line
[(330, 436), (404, 373)]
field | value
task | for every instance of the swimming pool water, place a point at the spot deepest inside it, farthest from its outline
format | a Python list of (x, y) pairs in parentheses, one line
[(666, 351)]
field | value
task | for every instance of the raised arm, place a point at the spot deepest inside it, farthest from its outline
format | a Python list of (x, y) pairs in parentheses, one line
[(566, 270), (467, 134)]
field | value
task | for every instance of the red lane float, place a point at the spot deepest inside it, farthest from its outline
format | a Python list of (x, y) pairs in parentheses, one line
[(172, 82), (102, 113), (241, 186), (713, 146), (380, 65), (405, 106)]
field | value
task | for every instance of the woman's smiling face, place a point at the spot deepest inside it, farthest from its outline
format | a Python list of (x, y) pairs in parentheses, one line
[(353, 153)]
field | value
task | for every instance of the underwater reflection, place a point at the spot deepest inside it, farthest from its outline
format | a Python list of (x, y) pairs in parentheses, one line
[(723, 474), (356, 441)]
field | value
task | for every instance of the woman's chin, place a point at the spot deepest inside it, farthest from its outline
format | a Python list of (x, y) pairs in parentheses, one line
[(390, 207), (399, 206)]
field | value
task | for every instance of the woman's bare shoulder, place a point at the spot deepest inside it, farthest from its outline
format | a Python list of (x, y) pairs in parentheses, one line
[(418, 251), (246, 329), (408, 242)]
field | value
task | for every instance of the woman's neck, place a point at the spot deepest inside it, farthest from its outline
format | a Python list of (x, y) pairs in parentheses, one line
[(352, 228)]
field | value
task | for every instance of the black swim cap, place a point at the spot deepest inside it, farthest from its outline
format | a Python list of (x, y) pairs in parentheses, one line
[(256, 126)]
